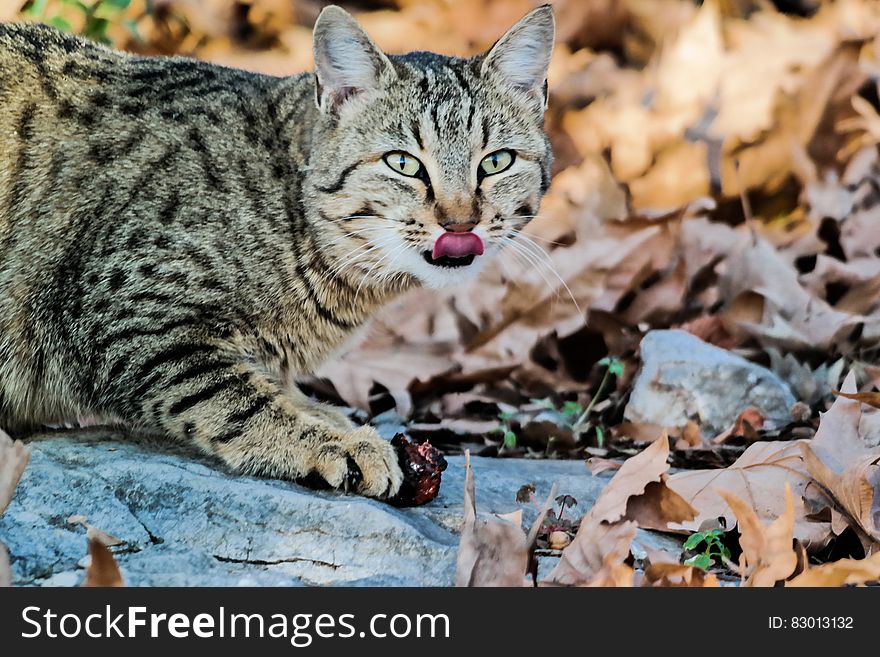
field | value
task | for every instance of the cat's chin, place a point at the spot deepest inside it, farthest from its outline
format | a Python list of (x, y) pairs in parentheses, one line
[(442, 277)]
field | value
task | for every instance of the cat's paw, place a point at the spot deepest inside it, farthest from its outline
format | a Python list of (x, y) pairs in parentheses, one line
[(361, 462)]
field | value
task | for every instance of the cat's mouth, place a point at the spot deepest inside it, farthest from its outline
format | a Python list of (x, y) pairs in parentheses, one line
[(448, 261), (454, 250)]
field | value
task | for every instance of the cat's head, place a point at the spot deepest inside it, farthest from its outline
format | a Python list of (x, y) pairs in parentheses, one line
[(426, 165)]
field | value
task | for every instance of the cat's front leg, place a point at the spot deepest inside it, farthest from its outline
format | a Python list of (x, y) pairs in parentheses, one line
[(232, 410)]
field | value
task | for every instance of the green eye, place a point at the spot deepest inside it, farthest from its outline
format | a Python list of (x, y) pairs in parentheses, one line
[(496, 162), (403, 163)]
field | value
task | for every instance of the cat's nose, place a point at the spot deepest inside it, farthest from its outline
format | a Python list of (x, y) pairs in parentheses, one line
[(454, 227)]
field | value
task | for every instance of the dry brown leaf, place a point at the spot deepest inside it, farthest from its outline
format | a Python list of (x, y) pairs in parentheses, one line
[(514, 517), (14, 456), (5, 568), (636, 496), (690, 436), (745, 425), (840, 573), (103, 571), (597, 464), (785, 315), (678, 575), (640, 432), (768, 554), (710, 328), (491, 552), (638, 492), (869, 398), (595, 555), (613, 574), (797, 117), (848, 469), (757, 477), (95, 533), (659, 507)]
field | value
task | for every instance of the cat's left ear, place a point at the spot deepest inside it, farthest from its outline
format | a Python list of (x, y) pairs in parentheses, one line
[(522, 56), (347, 62)]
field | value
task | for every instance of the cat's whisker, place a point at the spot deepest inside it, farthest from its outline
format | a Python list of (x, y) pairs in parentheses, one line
[(388, 254), (544, 239), (338, 272), (352, 233), (359, 216), (532, 235), (539, 252), (348, 261), (530, 263), (342, 239)]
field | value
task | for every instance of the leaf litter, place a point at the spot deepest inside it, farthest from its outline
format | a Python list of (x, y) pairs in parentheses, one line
[(716, 170)]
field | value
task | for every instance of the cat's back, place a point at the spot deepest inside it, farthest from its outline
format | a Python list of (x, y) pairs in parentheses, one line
[(75, 85), (38, 78), (78, 119)]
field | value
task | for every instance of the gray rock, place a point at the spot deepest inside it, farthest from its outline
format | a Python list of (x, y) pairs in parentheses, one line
[(684, 378), (187, 522)]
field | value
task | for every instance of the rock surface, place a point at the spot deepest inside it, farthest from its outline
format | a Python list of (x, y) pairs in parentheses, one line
[(186, 522), (684, 378)]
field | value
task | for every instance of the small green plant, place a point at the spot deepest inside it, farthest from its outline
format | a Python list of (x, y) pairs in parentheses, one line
[(98, 16), (714, 548), (570, 410), (508, 437), (574, 416)]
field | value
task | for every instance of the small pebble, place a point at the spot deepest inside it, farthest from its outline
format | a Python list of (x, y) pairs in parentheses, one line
[(558, 540)]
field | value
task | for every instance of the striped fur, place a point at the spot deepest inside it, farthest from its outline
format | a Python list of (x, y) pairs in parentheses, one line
[(178, 239)]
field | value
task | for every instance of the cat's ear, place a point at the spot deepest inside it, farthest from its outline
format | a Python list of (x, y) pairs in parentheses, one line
[(522, 56), (347, 62)]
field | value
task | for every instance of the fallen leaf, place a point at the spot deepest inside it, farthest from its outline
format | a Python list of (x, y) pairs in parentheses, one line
[(767, 555), (595, 554), (678, 575), (840, 573), (103, 571), (638, 492), (787, 316), (745, 425), (711, 329), (490, 552), (691, 436), (597, 464), (5, 568), (94, 533), (848, 470), (636, 496), (14, 456), (869, 398), (757, 477)]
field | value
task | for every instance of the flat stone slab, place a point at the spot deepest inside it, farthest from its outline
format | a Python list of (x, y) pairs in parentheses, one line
[(186, 522)]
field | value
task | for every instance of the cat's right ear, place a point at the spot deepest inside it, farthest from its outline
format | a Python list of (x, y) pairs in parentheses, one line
[(347, 62), (522, 56)]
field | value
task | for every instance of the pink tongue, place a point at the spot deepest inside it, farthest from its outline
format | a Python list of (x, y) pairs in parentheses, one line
[(457, 245)]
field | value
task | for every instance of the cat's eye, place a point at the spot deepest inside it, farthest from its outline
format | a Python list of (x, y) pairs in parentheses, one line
[(403, 163), (496, 162)]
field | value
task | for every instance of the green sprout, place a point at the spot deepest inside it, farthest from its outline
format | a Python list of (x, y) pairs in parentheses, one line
[(714, 548), (614, 367), (508, 437)]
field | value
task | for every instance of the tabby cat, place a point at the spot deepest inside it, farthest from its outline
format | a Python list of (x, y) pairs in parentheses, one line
[(178, 239)]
